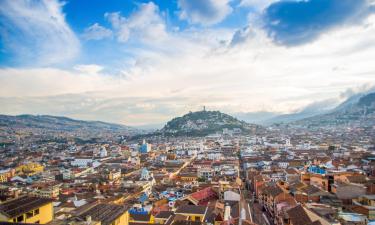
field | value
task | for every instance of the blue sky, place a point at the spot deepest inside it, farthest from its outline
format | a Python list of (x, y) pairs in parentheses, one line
[(142, 62)]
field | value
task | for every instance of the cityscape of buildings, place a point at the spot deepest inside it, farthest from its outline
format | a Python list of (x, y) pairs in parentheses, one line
[(276, 176), (187, 112)]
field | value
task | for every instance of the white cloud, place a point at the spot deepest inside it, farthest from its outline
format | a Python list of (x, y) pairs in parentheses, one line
[(257, 4), (89, 68), (52, 81), (146, 24), (254, 76), (206, 12), (96, 32), (36, 31)]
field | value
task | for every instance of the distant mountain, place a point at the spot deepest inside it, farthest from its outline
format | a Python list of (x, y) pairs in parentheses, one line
[(257, 117), (314, 109), (56, 123), (358, 110), (150, 127), (202, 123)]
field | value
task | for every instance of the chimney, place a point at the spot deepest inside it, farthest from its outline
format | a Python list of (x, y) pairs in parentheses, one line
[(227, 212)]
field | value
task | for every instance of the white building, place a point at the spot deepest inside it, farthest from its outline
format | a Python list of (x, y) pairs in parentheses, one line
[(103, 152), (82, 162), (206, 173)]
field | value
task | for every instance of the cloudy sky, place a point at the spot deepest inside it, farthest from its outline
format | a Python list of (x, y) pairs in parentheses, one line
[(144, 62)]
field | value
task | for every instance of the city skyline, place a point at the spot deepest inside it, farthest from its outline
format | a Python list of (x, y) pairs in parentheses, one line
[(145, 62)]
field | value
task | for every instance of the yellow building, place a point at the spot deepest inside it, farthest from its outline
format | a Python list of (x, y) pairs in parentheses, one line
[(29, 169), (3, 178), (107, 214), (26, 209), (193, 212), (114, 175), (163, 216), (5, 175), (188, 177), (141, 218)]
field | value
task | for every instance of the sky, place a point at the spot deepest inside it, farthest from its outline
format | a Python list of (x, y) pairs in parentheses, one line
[(145, 62)]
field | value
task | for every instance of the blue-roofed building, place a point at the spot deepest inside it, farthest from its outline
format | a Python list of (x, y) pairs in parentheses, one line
[(138, 211), (143, 198), (317, 169)]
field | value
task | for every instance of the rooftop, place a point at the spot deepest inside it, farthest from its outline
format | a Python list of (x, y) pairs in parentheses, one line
[(22, 205)]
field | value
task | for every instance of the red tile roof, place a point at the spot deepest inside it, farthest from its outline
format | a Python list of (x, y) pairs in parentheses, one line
[(204, 196)]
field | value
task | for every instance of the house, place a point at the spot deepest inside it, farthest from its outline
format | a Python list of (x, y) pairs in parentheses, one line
[(106, 214), (232, 196), (292, 175), (6, 174), (201, 197), (270, 195), (281, 209), (365, 205), (27, 209), (192, 212), (46, 190), (352, 218), (309, 193), (188, 177), (29, 169), (348, 191), (206, 173), (163, 216), (300, 215), (141, 218)]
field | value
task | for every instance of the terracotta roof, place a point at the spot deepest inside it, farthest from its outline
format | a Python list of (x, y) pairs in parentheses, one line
[(302, 216), (272, 190), (291, 171), (298, 216), (203, 196), (359, 179), (310, 189)]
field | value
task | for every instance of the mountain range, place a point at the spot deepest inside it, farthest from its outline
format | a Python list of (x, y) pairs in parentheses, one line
[(315, 110), (358, 110), (57, 123)]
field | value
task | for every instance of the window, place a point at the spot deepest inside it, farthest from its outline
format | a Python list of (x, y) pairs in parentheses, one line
[(29, 214), (36, 212), (20, 218), (197, 218)]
